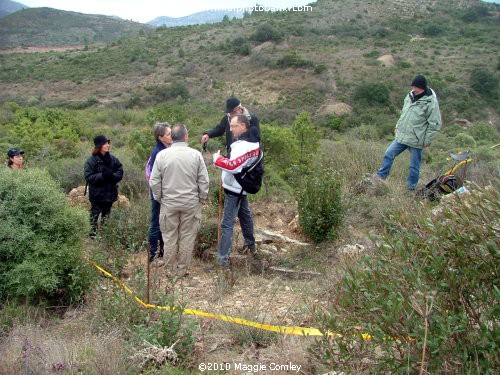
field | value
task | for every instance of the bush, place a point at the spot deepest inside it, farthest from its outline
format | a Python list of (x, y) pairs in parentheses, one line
[(372, 93), (293, 60), (49, 133), (484, 132), (40, 239), (320, 204), (267, 33), (426, 296), (484, 82), (463, 140)]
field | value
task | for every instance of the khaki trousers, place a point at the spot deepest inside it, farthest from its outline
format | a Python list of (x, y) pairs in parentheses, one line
[(179, 227)]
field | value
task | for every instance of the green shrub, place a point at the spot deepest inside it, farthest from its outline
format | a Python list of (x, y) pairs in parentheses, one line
[(427, 296), (307, 137), (67, 172), (266, 33), (484, 82), (49, 133), (40, 239), (372, 93), (465, 141), (320, 204), (276, 142), (484, 132), (293, 60)]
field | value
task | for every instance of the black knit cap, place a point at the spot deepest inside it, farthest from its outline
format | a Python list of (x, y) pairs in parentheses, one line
[(100, 140), (14, 152), (420, 82), (231, 104)]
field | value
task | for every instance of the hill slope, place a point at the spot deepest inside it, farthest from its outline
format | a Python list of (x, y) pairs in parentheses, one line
[(52, 27), (282, 63)]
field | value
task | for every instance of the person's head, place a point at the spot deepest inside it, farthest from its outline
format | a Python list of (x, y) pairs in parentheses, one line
[(233, 106), (15, 156), (102, 145), (179, 133), (238, 125), (419, 84), (163, 133)]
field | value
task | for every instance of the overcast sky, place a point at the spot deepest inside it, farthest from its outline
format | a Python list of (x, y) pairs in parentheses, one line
[(147, 10)]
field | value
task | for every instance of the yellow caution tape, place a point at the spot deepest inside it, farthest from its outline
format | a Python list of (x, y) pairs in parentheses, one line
[(287, 330)]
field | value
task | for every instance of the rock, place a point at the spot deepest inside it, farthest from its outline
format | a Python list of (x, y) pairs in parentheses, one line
[(76, 197), (464, 123), (351, 252), (294, 224), (386, 60), (337, 109)]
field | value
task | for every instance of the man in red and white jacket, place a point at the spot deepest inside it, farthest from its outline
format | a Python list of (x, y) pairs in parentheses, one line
[(244, 152)]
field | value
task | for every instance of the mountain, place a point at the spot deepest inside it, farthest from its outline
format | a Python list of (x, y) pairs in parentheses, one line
[(53, 27), (195, 19), (7, 7)]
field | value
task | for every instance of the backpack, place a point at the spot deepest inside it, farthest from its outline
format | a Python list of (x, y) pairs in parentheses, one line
[(250, 178)]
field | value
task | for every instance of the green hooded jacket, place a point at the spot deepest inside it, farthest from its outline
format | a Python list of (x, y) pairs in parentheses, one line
[(419, 121)]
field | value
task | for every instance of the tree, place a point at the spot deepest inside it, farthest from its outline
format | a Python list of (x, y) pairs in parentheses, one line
[(306, 135)]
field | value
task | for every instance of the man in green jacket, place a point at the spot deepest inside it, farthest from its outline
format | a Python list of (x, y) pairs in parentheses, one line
[(419, 122)]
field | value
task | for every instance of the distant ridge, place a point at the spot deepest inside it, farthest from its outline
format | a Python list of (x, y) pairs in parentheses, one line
[(7, 7), (211, 16)]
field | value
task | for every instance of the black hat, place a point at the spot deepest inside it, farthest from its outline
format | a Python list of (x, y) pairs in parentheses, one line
[(420, 82), (100, 140), (14, 152), (231, 104)]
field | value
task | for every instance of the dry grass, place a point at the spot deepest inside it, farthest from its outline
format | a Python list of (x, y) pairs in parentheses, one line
[(68, 347)]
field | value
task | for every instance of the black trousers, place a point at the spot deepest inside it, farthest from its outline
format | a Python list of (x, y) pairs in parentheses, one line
[(98, 208)]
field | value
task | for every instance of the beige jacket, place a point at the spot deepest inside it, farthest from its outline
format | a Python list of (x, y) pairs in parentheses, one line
[(179, 178)]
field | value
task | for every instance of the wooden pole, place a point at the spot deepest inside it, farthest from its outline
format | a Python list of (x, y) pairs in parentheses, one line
[(148, 271), (220, 213)]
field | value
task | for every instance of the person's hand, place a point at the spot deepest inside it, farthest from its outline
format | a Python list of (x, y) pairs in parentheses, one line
[(204, 138), (216, 156)]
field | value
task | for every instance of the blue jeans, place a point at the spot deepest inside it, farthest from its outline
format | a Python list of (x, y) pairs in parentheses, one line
[(154, 234), (234, 206), (394, 150)]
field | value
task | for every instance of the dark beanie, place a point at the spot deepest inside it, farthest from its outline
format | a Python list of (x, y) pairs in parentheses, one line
[(231, 104), (100, 140), (420, 82)]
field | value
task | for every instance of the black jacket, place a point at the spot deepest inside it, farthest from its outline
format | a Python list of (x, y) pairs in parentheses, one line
[(102, 173), (223, 127)]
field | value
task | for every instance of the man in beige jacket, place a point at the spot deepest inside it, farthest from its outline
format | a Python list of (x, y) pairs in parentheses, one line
[(179, 181)]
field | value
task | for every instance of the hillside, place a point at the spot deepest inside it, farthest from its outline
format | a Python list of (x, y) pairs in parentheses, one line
[(52, 27), (280, 63), (404, 284)]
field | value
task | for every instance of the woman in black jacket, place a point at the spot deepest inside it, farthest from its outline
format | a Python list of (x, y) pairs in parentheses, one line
[(102, 172)]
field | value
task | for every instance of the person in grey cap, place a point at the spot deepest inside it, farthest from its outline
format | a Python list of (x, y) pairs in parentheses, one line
[(418, 124), (15, 156), (233, 107), (102, 172)]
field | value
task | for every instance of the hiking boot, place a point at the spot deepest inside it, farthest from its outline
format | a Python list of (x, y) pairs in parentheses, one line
[(248, 250)]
